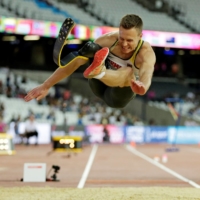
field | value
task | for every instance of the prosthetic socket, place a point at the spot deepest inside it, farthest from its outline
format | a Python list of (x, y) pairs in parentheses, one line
[(86, 52)]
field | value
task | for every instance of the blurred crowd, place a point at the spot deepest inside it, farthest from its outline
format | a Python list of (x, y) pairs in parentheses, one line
[(90, 110)]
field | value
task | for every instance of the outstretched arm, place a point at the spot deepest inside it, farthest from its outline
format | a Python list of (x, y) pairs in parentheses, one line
[(145, 73), (42, 90), (70, 63), (64, 72)]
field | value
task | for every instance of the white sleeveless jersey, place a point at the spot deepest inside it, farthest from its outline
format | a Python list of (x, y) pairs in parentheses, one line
[(114, 62)]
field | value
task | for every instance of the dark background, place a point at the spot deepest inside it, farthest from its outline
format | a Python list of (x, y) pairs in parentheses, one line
[(38, 55)]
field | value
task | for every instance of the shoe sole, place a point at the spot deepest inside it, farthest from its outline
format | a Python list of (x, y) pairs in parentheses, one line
[(61, 40), (99, 59)]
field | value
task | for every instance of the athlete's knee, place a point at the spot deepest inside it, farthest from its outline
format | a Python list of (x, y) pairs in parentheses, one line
[(73, 57), (89, 49), (81, 56)]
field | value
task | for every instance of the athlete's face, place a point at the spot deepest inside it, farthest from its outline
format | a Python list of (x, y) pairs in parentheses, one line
[(128, 39)]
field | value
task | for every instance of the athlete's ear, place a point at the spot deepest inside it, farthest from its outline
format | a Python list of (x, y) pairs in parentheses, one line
[(140, 35)]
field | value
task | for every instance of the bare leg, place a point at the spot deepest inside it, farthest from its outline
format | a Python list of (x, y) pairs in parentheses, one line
[(112, 78), (118, 78)]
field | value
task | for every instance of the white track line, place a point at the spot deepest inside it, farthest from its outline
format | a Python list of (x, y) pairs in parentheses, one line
[(88, 166), (143, 156)]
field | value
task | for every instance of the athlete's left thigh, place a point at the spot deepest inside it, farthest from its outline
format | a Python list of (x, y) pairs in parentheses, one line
[(117, 97), (97, 87)]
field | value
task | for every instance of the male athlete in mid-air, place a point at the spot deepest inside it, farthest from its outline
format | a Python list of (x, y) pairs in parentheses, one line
[(121, 63)]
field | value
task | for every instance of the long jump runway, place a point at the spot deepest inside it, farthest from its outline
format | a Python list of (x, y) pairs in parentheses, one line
[(107, 165)]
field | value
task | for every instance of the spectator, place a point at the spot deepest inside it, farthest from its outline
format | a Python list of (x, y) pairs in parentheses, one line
[(106, 137), (3, 126), (152, 122), (16, 128), (30, 129), (24, 80)]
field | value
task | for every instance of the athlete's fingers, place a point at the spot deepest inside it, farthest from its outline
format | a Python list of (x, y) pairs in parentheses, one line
[(28, 97), (137, 87), (31, 95), (138, 83), (40, 97)]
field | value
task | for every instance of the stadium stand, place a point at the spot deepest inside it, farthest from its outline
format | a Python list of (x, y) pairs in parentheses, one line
[(35, 9), (97, 13), (152, 21), (6, 13), (77, 12), (190, 10)]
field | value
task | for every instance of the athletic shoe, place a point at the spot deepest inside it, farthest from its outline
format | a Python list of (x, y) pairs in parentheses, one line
[(97, 65), (61, 40)]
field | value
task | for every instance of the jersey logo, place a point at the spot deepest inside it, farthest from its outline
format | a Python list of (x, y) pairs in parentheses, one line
[(113, 64)]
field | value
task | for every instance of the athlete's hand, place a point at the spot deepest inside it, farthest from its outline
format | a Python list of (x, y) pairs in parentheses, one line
[(137, 87), (37, 93)]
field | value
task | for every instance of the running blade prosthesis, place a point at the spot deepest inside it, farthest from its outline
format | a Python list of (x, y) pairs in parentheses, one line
[(61, 40), (97, 65)]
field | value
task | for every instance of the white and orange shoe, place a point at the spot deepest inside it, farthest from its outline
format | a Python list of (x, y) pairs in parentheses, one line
[(97, 65)]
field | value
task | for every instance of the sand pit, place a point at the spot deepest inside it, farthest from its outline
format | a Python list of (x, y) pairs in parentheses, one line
[(146, 193)]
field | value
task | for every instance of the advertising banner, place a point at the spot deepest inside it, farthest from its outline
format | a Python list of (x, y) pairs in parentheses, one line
[(38, 28), (95, 133), (24, 26), (135, 134), (77, 130), (109, 133), (51, 29), (116, 133), (81, 32), (173, 40), (98, 133), (9, 25), (156, 134), (1, 25), (44, 132), (184, 135)]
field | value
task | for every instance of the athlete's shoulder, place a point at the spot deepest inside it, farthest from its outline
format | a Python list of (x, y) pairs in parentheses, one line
[(107, 39), (147, 51), (146, 47)]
